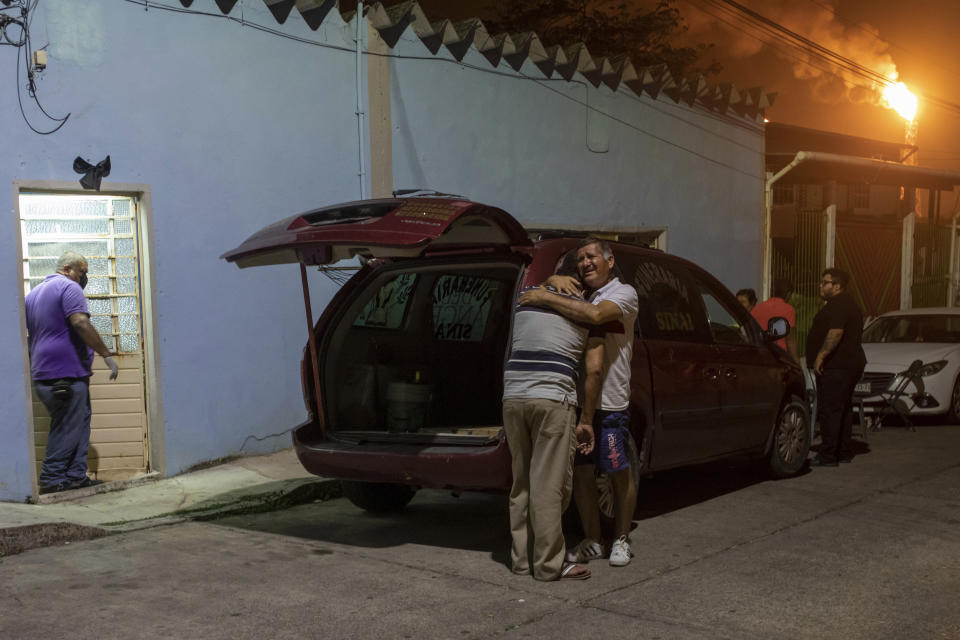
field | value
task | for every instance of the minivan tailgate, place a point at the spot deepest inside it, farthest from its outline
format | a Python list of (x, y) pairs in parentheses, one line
[(381, 228)]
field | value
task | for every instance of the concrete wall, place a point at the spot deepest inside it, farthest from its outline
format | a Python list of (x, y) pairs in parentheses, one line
[(568, 153), (232, 128)]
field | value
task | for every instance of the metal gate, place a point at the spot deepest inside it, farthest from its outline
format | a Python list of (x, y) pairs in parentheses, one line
[(800, 259), (102, 228), (870, 252), (931, 265)]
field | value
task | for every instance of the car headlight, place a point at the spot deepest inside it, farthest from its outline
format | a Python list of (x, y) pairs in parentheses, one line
[(932, 368)]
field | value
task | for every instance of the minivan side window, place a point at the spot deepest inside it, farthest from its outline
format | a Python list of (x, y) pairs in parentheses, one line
[(388, 307), (724, 326), (461, 306), (670, 307)]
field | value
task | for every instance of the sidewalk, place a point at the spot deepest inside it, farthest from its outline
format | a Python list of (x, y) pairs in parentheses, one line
[(256, 483)]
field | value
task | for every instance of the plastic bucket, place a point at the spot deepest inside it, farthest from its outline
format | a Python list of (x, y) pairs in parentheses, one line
[(408, 406)]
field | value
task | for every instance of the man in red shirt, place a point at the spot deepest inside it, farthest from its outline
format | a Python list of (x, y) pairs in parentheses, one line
[(777, 305)]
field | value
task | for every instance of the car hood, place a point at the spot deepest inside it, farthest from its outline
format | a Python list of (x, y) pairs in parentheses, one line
[(901, 354)]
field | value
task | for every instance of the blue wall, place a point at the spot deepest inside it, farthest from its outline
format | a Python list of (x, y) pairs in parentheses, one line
[(232, 128)]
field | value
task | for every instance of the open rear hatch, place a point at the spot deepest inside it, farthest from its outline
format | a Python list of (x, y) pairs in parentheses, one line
[(410, 352), (395, 228)]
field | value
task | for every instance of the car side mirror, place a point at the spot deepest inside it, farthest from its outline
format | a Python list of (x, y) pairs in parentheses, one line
[(777, 328)]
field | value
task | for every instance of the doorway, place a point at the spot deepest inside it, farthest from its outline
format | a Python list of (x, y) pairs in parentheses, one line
[(106, 230)]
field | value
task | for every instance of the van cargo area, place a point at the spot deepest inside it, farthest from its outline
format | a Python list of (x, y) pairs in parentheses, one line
[(416, 356)]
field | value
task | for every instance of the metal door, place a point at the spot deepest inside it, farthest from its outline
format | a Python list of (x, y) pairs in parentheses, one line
[(104, 229)]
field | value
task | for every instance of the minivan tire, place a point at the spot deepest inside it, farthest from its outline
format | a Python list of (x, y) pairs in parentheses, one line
[(791, 439), (378, 497)]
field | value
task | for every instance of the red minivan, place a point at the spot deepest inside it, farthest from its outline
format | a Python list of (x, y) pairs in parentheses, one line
[(402, 376)]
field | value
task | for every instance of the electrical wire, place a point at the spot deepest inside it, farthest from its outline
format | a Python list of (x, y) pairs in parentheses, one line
[(779, 33), (26, 14), (875, 34)]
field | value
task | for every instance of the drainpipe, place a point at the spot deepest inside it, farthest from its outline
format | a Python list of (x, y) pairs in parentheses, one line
[(361, 21), (906, 264), (830, 247), (767, 240), (952, 283)]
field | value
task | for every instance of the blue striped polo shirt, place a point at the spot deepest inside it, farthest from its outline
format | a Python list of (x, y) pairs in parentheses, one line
[(545, 355)]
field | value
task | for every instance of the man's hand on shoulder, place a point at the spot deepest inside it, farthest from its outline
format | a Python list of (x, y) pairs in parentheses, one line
[(565, 284), (533, 297)]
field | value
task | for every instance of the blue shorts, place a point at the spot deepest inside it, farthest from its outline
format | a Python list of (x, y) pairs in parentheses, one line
[(611, 430)]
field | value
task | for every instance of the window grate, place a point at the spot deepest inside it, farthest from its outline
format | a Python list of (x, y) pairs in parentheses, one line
[(103, 229)]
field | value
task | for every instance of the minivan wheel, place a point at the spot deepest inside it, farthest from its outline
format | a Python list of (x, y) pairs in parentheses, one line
[(378, 497), (791, 439)]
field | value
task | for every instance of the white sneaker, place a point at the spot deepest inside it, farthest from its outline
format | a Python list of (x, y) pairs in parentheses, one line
[(586, 551), (620, 553)]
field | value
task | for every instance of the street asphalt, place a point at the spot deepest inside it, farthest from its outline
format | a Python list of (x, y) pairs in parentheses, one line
[(870, 549)]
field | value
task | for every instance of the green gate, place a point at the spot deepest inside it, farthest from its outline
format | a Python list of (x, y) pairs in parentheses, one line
[(800, 259), (931, 265)]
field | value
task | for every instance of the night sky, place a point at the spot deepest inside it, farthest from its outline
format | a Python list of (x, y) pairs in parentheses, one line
[(917, 37)]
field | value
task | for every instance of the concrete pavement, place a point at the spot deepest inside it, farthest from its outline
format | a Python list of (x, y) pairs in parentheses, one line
[(866, 550), (244, 484)]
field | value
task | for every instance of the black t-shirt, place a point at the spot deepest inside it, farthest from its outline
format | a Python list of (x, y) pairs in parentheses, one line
[(840, 312)]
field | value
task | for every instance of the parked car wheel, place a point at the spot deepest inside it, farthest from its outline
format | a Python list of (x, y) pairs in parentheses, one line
[(953, 413), (378, 497), (791, 439)]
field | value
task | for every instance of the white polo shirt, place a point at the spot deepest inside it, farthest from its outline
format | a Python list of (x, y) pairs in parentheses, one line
[(618, 345)]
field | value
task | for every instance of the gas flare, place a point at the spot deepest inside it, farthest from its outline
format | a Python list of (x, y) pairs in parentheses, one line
[(897, 97)]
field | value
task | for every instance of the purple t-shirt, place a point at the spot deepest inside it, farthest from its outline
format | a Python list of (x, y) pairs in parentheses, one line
[(56, 351)]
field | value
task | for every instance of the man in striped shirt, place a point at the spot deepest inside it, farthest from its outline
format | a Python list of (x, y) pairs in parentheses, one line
[(614, 305), (539, 418)]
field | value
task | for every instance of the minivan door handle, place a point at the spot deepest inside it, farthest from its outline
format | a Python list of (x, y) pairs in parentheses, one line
[(710, 373)]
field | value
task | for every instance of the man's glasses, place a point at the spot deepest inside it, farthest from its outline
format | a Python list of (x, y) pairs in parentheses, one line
[(826, 282)]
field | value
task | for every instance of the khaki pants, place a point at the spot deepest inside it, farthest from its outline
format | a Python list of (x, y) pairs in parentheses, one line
[(542, 439)]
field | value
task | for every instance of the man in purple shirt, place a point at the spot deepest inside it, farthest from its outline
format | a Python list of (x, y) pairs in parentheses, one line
[(62, 342)]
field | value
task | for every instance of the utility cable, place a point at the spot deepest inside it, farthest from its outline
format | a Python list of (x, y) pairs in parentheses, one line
[(780, 33)]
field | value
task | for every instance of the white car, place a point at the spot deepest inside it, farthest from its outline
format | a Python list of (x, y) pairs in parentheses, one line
[(893, 342)]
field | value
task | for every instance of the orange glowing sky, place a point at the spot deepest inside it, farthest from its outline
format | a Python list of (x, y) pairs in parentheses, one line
[(917, 39)]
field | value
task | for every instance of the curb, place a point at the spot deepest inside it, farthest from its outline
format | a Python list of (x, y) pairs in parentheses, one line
[(14, 540), (107, 487)]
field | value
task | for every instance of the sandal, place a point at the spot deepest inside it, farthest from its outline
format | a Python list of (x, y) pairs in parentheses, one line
[(572, 571)]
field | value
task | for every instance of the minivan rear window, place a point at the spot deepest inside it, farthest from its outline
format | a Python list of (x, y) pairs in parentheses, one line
[(461, 306), (387, 309)]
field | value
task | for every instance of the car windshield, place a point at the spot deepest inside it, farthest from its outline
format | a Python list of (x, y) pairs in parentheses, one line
[(914, 329)]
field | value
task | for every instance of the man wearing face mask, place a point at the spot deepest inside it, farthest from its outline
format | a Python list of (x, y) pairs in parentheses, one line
[(62, 342)]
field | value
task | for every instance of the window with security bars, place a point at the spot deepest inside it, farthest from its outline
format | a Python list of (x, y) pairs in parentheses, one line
[(101, 228), (783, 193), (858, 195)]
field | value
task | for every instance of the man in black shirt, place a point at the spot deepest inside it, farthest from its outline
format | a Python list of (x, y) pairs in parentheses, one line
[(836, 357)]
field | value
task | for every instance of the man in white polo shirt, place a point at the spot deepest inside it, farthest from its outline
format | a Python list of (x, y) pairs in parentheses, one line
[(613, 305)]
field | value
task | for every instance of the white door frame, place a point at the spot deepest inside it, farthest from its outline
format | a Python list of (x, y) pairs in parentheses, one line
[(148, 294)]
